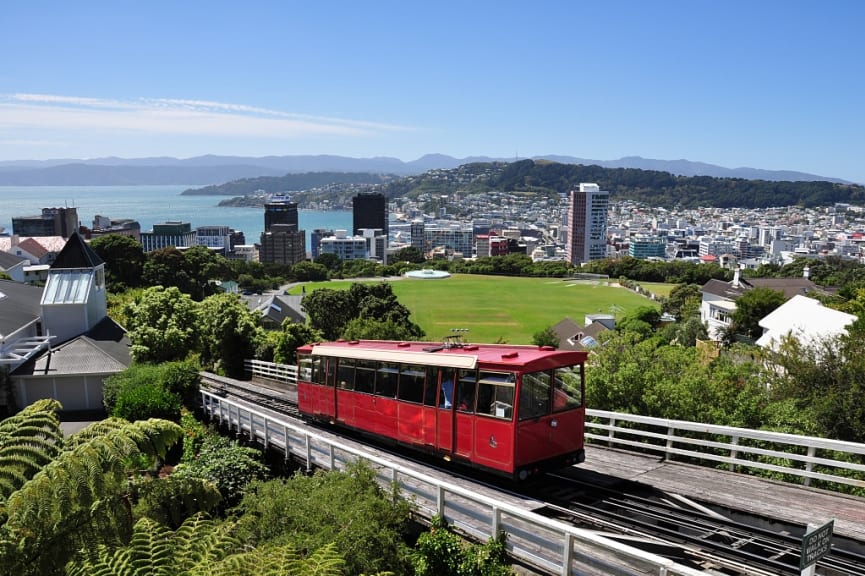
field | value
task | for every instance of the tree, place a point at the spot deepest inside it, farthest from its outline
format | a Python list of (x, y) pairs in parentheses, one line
[(367, 328), (329, 311), (753, 306), (683, 301), (309, 271), (409, 254), (330, 261), (124, 260), (63, 494), (168, 267), (162, 325), (204, 265), (546, 337), (290, 337), (228, 333), (311, 511)]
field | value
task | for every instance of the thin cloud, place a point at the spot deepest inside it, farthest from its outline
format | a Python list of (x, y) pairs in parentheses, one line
[(173, 116)]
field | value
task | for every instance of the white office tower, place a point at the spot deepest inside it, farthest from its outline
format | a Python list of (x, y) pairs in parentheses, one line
[(587, 220)]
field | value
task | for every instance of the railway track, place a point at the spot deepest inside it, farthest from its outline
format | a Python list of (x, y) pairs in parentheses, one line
[(635, 514)]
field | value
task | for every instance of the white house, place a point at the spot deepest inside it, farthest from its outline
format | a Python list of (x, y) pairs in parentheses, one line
[(805, 319)]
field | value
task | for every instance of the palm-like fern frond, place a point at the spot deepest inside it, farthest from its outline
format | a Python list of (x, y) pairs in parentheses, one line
[(29, 440)]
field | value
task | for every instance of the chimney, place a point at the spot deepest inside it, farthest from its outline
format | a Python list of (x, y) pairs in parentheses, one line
[(736, 278), (806, 273)]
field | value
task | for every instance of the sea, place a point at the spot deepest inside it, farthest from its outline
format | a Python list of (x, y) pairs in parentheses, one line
[(151, 205)]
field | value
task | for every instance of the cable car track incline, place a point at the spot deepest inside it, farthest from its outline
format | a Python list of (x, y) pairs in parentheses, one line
[(638, 515)]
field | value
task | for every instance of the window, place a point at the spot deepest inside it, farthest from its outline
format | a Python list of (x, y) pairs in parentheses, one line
[(496, 394), (432, 380), (307, 368), (411, 382), (364, 379), (466, 388), (568, 388), (534, 395), (386, 379), (345, 374)]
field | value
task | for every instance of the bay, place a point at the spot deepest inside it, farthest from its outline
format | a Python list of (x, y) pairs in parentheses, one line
[(151, 205)]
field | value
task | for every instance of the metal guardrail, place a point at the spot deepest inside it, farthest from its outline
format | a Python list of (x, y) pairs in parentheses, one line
[(541, 542), (739, 448)]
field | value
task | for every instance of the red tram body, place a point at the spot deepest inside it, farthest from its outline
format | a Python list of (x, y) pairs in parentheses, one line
[(512, 410)]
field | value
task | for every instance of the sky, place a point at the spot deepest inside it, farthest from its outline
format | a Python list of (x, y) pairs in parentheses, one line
[(772, 84)]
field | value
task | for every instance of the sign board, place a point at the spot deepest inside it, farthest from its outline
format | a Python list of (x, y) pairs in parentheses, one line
[(816, 544)]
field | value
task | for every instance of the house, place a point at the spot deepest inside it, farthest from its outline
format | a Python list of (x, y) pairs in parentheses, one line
[(805, 319), (572, 336), (57, 341), (719, 297), (36, 249), (275, 309), (13, 266)]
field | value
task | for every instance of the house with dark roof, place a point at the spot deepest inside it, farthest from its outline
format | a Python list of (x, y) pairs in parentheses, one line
[(57, 341), (572, 336), (719, 297), (13, 265)]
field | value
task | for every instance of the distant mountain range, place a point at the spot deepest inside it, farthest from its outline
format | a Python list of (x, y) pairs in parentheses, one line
[(210, 169)]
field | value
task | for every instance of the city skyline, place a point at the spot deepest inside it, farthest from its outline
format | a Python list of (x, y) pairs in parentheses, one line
[(771, 85)]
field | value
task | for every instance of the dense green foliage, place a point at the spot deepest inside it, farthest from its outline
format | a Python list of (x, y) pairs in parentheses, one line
[(331, 311), (227, 331), (179, 380), (440, 552), (149, 400), (124, 260), (162, 325), (348, 509), (751, 307), (72, 494)]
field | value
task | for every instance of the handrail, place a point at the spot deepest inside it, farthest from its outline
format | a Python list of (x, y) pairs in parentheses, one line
[(542, 542), (738, 448)]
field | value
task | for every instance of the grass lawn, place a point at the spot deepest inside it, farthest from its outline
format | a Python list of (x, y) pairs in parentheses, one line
[(497, 308), (658, 288)]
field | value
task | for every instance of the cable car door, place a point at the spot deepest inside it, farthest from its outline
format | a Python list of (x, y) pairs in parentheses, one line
[(445, 411)]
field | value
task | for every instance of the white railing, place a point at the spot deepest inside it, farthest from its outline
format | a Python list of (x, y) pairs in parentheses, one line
[(541, 542), (271, 370), (788, 454), (739, 448)]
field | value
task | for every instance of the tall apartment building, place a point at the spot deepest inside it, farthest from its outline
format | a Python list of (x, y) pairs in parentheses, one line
[(172, 233), (417, 235), (315, 239), (279, 209), (345, 247), (587, 223), (283, 244), (369, 210), (51, 222)]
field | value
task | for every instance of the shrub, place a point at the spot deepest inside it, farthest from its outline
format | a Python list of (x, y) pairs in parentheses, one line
[(147, 401)]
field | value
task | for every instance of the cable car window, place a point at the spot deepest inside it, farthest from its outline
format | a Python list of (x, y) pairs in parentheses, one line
[(432, 379), (386, 379), (306, 366), (364, 379), (466, 388), (496, 394), (568, 391), (345, 373), (411, 380), (534, 395)]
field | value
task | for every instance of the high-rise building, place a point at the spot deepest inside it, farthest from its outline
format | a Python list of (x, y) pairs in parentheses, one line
[(279, 209), (369, 210), (173, 233), (315, 238), (283, 244), (587, 221), (52, 222)]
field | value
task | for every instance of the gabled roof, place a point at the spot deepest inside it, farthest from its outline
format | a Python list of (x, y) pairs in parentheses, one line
[(76, 254), (33, 247), (788, 286), (572, 336), (8, 260), (723, 289), (805, 319), (278, 308), (19, 306), (104, 349)]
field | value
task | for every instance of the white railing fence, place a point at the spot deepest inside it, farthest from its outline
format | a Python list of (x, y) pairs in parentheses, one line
[(787, 456), (546, 544)]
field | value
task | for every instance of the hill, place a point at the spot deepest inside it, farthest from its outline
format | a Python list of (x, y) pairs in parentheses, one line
[(212, 169)]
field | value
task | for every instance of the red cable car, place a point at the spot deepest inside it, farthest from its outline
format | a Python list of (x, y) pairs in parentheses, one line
[(512, 410)]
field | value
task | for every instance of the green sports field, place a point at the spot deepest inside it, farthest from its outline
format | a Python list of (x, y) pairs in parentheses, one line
[(502, 308)]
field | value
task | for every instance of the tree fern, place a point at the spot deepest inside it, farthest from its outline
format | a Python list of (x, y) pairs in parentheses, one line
[(81, 491), (29, 440)]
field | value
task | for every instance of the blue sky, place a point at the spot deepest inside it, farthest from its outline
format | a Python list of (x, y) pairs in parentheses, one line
[(760, 83)]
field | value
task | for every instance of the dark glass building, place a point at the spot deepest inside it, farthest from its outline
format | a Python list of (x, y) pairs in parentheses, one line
[(369, 210), (280, 210)]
